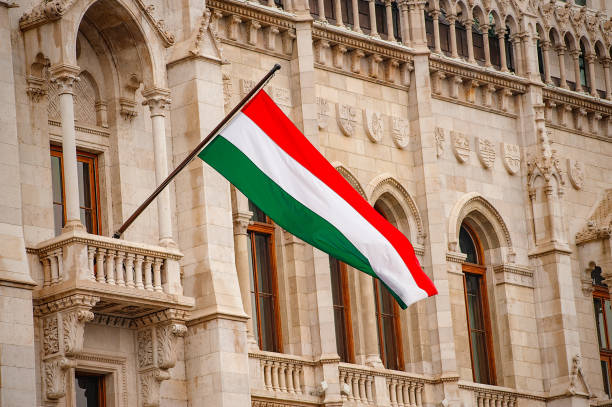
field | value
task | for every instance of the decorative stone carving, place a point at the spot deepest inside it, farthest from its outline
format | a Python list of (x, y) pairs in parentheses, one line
[(166, 349), (400, 130), (149, 386), (55, 377), (322, 113), (246, 85), (511, 155), (373, 123), (578, 383), (599, 224), (347, 118), (144, 339), (485, 151), (227, 91), (461, 146), (73, 324), (127, 108), (50, 336), (575, 173), (439, 138), (36, 88)]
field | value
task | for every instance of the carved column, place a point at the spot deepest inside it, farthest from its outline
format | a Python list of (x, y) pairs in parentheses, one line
[(502, 49), (369, 321), (373, 28), (64, 77), (321, 4), (452, 19), (606, 67), (389, 13), (576, 56), (515, 40), (470, 40), (158, 101), (338, 13), (591, 58), (405, 29), (156, 352), (241, 250), (63, 323), (562, 76), (545, 45), (485, 43), (435, 16), (356, 26)]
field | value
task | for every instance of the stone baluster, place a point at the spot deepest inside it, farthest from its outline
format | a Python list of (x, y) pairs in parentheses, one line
[(392, 392), (576, 57), (267, 376), (138, 270), (356, 26), (362, 390), (110, 267), (289, 378), (419, 395), (485, 43), (412, 395), (91, 254), (400, 393), (297, 380), (502, 48), (452, 20), (389, 15), (275, 384), (321, 4), (406, 394), (282, 368), (562, 75), (129, 270), (369, 392), (342, 380), (373, 28), (470, 40), (46, 261), (100, 265), (119, 270), (147, 274), (356, 387), (157, 274)]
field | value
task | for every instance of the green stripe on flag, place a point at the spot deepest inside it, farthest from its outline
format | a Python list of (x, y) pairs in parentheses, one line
[(281, 207)]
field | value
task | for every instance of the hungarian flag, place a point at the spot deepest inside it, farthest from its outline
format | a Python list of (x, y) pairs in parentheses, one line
[(270, 161)]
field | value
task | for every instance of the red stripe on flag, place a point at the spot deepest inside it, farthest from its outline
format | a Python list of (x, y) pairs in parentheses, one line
[(263, 111)]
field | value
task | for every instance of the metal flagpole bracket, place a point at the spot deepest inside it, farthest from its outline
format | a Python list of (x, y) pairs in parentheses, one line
[(197, 150)]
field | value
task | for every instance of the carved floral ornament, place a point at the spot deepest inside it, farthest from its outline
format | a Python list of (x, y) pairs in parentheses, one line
[(439, 138), (400, 130), (599, 224)]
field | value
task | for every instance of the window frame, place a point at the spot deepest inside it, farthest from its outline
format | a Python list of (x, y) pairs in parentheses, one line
[(481, 271), (94, 187), (397, 327), (602, 293), (268, 229), (346, 309)]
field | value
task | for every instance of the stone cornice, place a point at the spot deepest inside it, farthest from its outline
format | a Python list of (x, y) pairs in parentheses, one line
[(550, 248), (455, 257), (488, 76), (497, 390), (76, 300), (254, 11), (568, 97), (280, 357), (513, 268)]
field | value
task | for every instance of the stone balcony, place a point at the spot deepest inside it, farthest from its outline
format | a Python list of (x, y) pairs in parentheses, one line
[(130, 279)]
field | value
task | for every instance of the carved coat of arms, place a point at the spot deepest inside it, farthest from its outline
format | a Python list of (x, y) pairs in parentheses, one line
[(461, 146), (511, 155), (485, 151), (322, 113), (575, 173), (373, 123), (439, 138), (400, 129), (347, 119)]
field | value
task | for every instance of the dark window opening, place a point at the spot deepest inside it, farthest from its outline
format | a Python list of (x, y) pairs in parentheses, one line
[(89, 390), (342, 310)]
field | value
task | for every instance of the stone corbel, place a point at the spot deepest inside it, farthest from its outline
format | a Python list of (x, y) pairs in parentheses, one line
[(436, 82), (471, 90), (233, 25), (356, 56), (489, 91), (320, 52), (338, 55), (391, 66), (288, 38), (127, 108), (101, 113), (406, 73), (55, 377), (253, 27), (454, 88), (374, 61), (270, 34), (36, 88), (506, 97), (567, 116), (582, 119), (550, 109), (595, 123)]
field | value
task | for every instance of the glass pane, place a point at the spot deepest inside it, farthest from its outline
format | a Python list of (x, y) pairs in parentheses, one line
[(336, 285), (480, 362), (386, 300), (467, 246), (84, 184), (390, 343), (472, 283), (339, 325), (58, 218), (264, 267), (479, 355), (56, 179), (87, 391), (258, 214), (608, 309), (268, 328), (251, 283), (605, 373), (599, 319), (87, 219)]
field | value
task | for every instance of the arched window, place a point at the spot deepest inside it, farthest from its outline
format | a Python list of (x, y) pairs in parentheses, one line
[(477, 42), (509, 50), (540, 61), (584, 77), (342, 310), (263, 279), (477, 308), (603, 321)]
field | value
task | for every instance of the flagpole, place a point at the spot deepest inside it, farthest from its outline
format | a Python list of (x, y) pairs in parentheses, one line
[(196, 150)]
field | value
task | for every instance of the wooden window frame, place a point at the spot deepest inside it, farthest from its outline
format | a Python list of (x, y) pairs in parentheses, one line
[(480, 270), (346, 310), (397, 328), (268, 229), (94, 187), (602, 293), (101, 385)]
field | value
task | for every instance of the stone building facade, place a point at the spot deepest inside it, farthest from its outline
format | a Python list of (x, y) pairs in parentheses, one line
[(482, 129)]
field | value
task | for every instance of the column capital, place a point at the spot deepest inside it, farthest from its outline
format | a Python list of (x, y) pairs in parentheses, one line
[(434, 14), (606, 62), (157, 99), (451, 18), (575, 53), (591, 58), (64, 76), (560, 49), (241, 222), (545, 44), (501, 32), (468, 23)]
